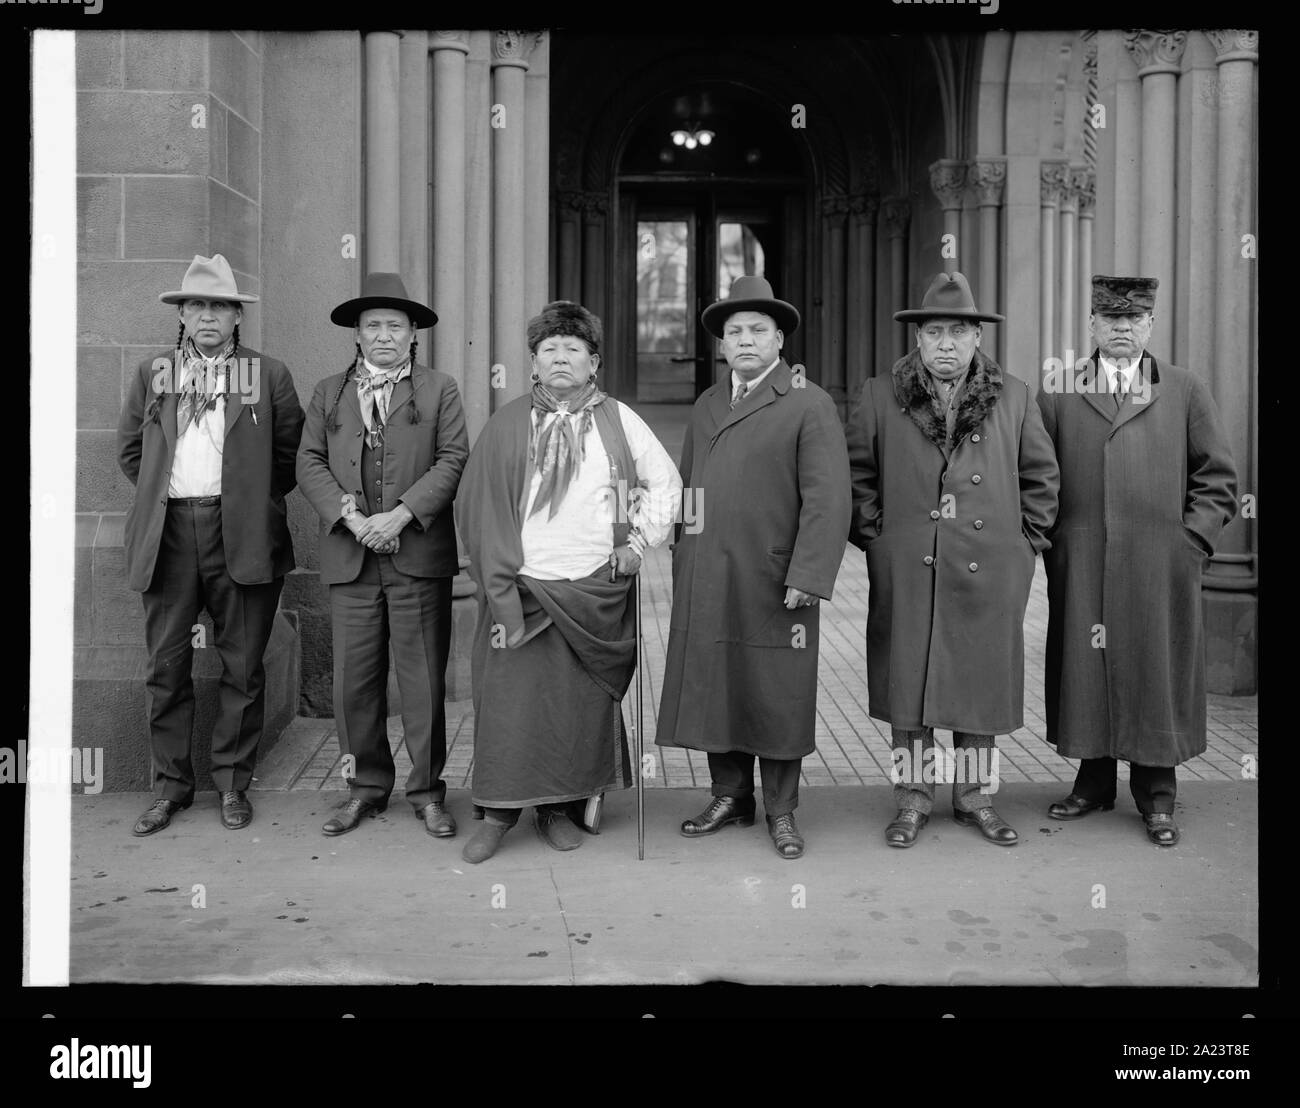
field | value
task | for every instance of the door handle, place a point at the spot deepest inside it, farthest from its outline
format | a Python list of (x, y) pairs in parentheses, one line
[(677, 360)]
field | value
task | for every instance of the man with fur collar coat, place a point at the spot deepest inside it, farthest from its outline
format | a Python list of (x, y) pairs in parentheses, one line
[(955, 487)]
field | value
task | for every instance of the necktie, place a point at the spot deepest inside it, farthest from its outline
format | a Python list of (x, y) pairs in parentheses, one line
[(739, 394), (1120, 391)]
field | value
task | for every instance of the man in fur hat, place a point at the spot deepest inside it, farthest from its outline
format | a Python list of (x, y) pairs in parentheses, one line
[(765, 451), (380, 461), (1148, 485), (954, 489), (208, 436)]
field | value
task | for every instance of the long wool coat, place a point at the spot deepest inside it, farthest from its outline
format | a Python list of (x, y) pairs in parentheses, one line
[(769, 486), (1145, 493), (950, 544)]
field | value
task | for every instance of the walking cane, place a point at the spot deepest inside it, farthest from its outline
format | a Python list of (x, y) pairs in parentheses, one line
[(640, 741)]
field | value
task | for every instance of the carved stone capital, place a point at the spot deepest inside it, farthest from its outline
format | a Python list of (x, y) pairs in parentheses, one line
[(834, 206), (513, 48), (896, 212), (449, 40), (595, 205), (1083, 189), (948, 181), (1156, 51), (987, 178), (863, 206), (1234, 45), (1053, 177)]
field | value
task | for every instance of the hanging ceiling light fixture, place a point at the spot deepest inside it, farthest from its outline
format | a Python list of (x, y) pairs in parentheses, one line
[(692, 135)]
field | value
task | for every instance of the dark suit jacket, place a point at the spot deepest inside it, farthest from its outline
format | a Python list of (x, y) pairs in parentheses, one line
[(257, 464), (422, 467)]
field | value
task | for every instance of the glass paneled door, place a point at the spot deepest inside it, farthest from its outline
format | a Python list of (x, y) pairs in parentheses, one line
[(665, 299)]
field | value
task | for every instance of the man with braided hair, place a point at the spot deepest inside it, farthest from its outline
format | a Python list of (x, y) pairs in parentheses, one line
[(380, 461), (208, 436)]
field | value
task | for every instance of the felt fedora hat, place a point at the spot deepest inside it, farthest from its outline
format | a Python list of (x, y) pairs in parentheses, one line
[(749, 294), (948, 297), (382, 290), (208, 279)]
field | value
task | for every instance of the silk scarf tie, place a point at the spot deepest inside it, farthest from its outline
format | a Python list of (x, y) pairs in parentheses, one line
[(199, 377), (558, 449), (374, 392)]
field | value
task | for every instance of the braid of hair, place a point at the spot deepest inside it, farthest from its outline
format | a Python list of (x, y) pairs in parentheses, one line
[(153, 413), (332, 420), (414, 408)]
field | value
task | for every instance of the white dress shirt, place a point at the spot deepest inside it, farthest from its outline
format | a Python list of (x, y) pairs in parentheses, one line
[(196, 466), (750, 386), (1112, 368), (580, 538)]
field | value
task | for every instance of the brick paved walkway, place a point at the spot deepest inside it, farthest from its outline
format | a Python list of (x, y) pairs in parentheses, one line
[(852, 749)]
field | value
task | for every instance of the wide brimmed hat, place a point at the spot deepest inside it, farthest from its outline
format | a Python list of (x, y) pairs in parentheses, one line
[(383, 290), (1122, 295), (208, 279), (948, 297), (749, 294)]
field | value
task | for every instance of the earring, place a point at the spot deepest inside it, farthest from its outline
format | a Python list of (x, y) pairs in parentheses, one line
[(534, 377)]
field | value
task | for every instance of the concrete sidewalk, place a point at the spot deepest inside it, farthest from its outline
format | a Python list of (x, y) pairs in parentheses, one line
[(387, 903)]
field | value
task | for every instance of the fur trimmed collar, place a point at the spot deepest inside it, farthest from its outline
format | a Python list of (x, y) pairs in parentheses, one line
[(983, 387)]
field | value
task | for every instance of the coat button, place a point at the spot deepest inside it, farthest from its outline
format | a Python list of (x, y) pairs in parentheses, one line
[(974, 566), (928, 559), (979, 525), (976, 479), (934, 514), (974, 438)]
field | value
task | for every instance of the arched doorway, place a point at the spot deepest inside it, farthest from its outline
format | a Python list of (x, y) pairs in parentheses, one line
[(711, 185)]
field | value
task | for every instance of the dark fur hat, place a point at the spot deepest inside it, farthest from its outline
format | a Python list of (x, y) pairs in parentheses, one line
[(1120, 295), (564, 317)]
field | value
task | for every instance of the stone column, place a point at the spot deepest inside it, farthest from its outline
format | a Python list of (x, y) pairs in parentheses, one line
[(896, 212), (383, 152), (1068, 336), (480, 395), (448, 50), (835, 210), (537, 174), (1231, 615), (1053, 176), (1086, 185), (595, 210), (988, 178), (948, 182), (861, 294), (568, 222), (1158, 56), (414, 185), (509, 135)]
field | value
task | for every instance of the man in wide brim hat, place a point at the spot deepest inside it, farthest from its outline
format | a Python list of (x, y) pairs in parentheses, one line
[(765, 452), (381, 459), (208, 436), (954, 487)]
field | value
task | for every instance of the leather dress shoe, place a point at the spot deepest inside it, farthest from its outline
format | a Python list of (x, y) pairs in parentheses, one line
[(353, 812), (785, 836), (906, 826), (159, 816), (484, 843), (991, 825), (1161, 828), (1076, 807), (236, 811), (721, 811), (437, 820), (557, 829)]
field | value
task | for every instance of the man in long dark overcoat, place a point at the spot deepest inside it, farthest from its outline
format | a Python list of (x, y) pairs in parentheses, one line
[(765, 464), (954, 488), (1147, 486)]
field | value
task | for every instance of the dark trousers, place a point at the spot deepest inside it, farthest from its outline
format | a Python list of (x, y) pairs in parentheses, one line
[(190, 575), (916, 768), (385, 605), (733, 775), (1154, 788)]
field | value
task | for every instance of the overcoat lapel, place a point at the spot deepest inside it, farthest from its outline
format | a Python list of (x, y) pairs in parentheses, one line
[(1132, 408), (403, 391), (778, 379), (1100, 399)]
